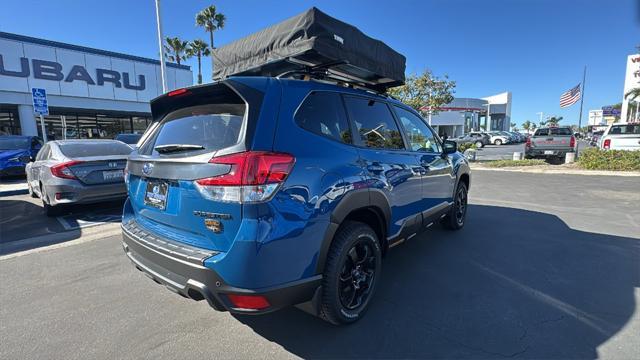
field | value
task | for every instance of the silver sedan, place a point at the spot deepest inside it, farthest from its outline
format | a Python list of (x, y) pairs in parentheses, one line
[(77, 172)]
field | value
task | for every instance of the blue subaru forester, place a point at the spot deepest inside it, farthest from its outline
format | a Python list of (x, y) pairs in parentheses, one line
[(257, 193)]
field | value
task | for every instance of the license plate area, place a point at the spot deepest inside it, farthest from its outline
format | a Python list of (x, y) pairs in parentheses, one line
[(548, 152), (155, 194), (113, 175)]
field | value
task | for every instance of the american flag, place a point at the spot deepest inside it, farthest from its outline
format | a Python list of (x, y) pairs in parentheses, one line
[(570, 97)]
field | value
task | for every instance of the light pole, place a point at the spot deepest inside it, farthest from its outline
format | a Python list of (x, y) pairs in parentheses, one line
[(163, 66)]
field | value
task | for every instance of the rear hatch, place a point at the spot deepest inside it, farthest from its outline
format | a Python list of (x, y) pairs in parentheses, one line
[(552, 138), (96, 162), (195, 125)]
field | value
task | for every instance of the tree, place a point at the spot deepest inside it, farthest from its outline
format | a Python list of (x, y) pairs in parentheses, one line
[(632, 94), (199, 48), (527, 125), (211, 21), (425, 92), (513, 126), (176, 49), (554, 120)]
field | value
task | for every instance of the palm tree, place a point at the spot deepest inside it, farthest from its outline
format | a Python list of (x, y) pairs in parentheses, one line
[(176, 49), (211, 21), (199, 48), (632, 94), (526, 125)]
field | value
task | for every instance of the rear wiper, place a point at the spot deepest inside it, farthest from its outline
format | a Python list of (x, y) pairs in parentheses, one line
[(169, 148)]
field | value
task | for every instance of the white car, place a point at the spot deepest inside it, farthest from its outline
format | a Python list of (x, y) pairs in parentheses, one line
[(498, 139), (621, 136)]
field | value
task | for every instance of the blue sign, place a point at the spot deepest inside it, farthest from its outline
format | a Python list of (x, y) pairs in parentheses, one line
[(40, 105)]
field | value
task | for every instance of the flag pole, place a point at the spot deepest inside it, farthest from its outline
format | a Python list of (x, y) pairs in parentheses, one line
[(584, 77)]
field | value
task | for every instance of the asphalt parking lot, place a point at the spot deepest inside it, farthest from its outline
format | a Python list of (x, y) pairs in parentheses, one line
[(547, 266)]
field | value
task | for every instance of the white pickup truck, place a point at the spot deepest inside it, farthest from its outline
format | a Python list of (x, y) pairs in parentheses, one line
[(621, 136)]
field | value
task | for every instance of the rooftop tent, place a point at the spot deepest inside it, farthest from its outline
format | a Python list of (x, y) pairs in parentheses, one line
[(317, 43)]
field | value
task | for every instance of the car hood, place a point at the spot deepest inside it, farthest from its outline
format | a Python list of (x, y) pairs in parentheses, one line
[(10, 154)]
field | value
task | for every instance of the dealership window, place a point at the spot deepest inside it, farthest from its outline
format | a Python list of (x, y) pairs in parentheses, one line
[(9, 121), (85, 125)]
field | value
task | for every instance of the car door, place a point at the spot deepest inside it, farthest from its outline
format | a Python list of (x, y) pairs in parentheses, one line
[(390, 168), (438, 179)]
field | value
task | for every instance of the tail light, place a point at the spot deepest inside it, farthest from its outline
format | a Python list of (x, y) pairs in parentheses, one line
[(63, 171), (572, 141), (528, 143), (254, 176), (606, 144), (178, 92), (249, 302)]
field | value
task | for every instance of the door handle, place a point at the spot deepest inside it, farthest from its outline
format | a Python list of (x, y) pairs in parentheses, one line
[(375, 168)]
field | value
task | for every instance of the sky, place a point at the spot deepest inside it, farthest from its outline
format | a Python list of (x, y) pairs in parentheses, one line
[(535, 49)]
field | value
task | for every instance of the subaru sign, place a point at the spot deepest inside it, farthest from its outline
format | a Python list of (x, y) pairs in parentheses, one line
[(40, 105)]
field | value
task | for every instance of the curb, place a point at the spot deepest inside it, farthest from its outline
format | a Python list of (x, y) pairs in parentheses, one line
[(58, 240), (14, 192), (562, 171)]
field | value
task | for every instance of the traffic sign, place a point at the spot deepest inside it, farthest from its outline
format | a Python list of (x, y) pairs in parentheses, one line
[(40, 105)]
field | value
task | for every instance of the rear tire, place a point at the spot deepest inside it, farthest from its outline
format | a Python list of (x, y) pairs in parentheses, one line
[(457, 214), (31, 193), (50, 211), (353, 268)]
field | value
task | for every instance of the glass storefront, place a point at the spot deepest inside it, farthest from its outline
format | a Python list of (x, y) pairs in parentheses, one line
[(72, 124), (9, 120)]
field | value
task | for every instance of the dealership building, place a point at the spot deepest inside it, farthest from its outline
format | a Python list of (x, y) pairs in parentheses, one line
[(463, 115), (91, 93)]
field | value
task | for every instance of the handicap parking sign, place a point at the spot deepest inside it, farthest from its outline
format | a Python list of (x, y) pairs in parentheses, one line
[(40, 105)]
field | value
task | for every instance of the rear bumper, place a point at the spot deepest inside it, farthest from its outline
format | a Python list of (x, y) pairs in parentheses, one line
[(180, 268), (73, 192), (533, 152)]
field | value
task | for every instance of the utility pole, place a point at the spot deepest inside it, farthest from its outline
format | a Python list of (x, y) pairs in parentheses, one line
[(584, 77), (163, 66)]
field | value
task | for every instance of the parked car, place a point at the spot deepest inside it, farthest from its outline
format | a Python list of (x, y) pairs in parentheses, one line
[(295, 201), (69, 172), (551, 143), (595, 137), (15, 152), (498, 139), (129, 139), (477, 138), (621, 136)]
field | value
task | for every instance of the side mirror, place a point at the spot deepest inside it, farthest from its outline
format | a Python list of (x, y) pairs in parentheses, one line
[(450, 147)]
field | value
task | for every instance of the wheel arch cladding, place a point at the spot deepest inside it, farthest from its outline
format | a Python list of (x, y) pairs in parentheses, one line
[(369, 207)]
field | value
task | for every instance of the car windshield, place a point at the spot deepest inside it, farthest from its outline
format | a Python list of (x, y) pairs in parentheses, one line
[(14, 143), (86, 149)]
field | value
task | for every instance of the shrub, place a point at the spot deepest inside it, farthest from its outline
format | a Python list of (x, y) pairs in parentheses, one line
[(511, 163), (466, 146), (596, 159)]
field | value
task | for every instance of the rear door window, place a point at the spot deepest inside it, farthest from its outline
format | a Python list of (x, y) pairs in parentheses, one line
[(323, 113), (86, 149), (374, 123), (205, 128)]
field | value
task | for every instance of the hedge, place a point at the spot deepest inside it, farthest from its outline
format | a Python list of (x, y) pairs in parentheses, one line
[(596, 159), (511, 163)]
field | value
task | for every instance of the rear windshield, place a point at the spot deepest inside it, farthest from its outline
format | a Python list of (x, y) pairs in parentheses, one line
[(541, 132), (625, 129), (85, 149), (128, 138), (560, 131), (212, 126), (14, 144)]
